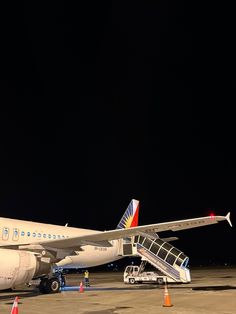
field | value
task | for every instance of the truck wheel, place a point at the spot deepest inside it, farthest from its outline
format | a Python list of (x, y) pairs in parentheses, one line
[(160, 281), (132, 281)]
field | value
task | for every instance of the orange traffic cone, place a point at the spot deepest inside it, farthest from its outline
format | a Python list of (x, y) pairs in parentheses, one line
[(167, 301), (81, 288), (14, 309)]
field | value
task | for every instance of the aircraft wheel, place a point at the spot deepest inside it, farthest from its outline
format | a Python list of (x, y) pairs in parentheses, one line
[(51, 285), (42, 285)]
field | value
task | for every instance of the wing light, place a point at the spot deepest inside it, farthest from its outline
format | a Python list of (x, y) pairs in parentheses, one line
[(212, 215)]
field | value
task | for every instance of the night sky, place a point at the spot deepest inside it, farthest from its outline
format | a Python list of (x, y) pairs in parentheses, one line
[(102, 102)]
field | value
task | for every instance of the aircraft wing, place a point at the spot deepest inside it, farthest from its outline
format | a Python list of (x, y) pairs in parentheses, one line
[(102, 238)]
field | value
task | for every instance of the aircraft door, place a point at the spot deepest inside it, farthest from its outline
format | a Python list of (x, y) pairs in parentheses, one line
[(15, 236), (5, 233)]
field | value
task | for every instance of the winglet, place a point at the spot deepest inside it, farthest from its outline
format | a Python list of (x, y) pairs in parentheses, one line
[(227, 217)]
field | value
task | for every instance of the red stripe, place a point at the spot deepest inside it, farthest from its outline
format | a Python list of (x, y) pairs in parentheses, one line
[(134, 222)]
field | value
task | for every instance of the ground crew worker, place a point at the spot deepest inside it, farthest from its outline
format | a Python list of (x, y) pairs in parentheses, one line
[(86, 278)]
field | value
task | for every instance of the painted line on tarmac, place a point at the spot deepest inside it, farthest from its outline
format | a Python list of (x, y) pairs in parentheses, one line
[(76, 288)]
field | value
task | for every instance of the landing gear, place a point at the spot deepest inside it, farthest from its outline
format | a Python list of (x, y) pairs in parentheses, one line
[(53, 282), (51, 285)]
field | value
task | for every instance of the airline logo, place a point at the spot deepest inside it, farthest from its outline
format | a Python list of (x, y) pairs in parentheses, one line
[(130, 217)]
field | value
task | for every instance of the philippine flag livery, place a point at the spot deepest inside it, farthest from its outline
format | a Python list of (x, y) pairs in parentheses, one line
[(130, 217)]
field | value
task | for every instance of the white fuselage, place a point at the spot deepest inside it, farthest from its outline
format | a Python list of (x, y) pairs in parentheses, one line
[(20, 232)]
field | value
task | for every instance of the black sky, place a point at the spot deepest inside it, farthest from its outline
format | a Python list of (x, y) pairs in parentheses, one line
[(106, 101)]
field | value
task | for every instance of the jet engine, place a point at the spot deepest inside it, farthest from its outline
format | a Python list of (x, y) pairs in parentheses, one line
[(19, 267)]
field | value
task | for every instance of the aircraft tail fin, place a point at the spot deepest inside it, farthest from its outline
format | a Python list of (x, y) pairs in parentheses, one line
[(130, 217)]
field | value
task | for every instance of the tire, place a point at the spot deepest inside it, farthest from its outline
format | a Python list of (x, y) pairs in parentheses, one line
[(51, 285), (160, 281), (132, 281), (42, 285)]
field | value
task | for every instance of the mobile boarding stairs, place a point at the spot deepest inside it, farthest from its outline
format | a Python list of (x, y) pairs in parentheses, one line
[(163, 256)]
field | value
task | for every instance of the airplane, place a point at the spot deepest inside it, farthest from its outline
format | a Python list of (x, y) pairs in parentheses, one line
[(29, 250)]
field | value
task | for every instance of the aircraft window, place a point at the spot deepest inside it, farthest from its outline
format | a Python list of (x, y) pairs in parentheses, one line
[(28, 234), (170, 259), (54, 236), (49, 236), (5, 231), (147, 243), (22, 233), (167, 246), (63, 237), (39, 235), (58, 236), (15, 231), (175, 251), (34, 234), (162, 253), (44, 235)]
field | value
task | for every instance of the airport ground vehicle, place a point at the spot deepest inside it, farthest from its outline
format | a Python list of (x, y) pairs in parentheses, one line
[(134, 274)]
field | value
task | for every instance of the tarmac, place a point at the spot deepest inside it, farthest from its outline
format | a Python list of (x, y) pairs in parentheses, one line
[(212, 290)]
